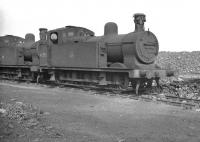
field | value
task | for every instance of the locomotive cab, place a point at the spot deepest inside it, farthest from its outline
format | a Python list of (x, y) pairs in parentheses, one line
[(67, 47), (69, 34)]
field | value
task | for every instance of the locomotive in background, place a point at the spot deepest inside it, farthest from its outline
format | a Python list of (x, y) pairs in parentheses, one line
[(74, 55)]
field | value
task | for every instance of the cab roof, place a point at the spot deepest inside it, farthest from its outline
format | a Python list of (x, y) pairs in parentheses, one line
[(75, 28)]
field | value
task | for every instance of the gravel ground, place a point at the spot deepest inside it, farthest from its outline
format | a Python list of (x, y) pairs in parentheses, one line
[(73, 115)]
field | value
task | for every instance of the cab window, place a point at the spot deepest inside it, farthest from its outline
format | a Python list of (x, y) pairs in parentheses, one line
[(54, 37)]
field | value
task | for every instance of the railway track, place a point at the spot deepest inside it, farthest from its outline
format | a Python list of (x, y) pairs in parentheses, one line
[(184, 101), (158, 97)]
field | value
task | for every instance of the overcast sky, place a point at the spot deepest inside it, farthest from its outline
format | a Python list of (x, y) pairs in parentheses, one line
[(176, 23)]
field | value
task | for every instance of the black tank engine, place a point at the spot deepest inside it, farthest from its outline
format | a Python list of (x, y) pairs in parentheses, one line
[(75, 55)]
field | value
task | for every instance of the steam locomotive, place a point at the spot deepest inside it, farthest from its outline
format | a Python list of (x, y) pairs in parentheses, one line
[(75, 55)]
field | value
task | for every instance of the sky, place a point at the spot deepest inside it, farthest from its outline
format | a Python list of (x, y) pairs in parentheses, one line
[(176, 23)]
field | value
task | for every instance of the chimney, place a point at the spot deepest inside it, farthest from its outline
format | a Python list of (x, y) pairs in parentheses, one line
[(139, 19), (43, 33)]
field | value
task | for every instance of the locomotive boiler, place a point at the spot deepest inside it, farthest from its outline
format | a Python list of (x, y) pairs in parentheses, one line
[(75, 55)]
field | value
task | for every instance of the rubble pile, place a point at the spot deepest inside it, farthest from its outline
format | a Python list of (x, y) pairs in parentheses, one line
[(185, 89), (187, 65), (16, 115), (184, 62), (26, 114), (20, 111)]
